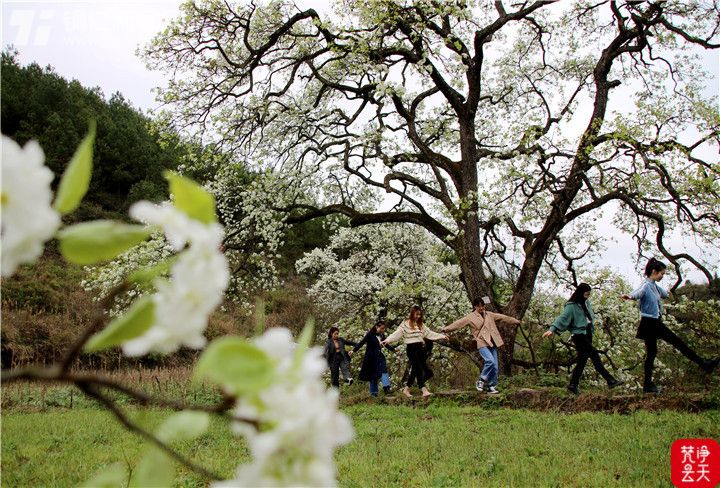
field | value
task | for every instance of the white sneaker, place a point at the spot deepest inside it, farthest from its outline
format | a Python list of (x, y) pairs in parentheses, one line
[(492, 390), (479, 385)]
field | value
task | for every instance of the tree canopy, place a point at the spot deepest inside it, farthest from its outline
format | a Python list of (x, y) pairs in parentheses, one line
[(503, 129)]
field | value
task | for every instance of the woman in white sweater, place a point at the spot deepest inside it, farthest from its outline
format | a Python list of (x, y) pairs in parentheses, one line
[(413, 333)]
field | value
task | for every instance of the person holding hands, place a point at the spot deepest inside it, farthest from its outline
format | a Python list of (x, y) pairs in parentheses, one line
[(578, 318), (337, 357), (649, 297), (413, 332), (374, 366), (484, 329)]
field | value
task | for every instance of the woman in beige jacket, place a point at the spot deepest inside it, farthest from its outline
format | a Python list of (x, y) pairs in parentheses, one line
[(413, 333), (488, 338)]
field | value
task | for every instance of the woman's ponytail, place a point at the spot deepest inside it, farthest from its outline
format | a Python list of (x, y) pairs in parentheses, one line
[(654, 265)]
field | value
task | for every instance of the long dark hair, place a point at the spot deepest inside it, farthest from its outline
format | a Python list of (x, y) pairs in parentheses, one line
[(654, 265), (578, 296), (330, 332), (374, 328)]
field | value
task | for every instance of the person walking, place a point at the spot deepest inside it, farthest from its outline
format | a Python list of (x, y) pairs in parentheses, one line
[(337, 357), (649, 297), (488, 339), (413, 332), (578, 317), (374, 365)]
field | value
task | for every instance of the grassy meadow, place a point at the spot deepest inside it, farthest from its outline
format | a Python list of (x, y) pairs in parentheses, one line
[(439, 442)]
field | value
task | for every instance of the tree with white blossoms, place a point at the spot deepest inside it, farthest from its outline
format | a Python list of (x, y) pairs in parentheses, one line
[(379, 271), (263, 380), (500, 128), (252, 240)]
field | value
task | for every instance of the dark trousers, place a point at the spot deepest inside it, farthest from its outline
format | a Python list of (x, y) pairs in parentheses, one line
[(653, 330), (585, 351), (338, 365), (416, 355)]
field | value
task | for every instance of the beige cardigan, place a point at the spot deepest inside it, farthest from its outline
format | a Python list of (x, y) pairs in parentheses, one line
[(411, 335), (483, 329)]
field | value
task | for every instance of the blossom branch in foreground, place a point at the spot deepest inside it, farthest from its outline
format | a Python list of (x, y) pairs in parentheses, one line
[(28, 219), (132, 427), (300, 425), (197, 283)]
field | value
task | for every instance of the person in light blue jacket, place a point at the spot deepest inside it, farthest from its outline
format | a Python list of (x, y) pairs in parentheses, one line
[(649, 296)]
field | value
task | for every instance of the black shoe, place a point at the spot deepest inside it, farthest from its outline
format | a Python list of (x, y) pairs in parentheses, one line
[(573, 389), (651, 389), (614, 382), (349, 381), (710, 365)]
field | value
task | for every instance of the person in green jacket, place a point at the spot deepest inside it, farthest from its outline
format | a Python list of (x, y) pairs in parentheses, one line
[(578, 318)]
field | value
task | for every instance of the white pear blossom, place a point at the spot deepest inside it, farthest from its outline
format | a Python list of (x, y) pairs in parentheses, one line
[(300, 425), (179, 228), (196, 286), (374, 269), (28, 219)]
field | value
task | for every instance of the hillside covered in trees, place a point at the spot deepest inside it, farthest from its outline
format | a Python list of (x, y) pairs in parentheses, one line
[(131, 150), (44, 306)]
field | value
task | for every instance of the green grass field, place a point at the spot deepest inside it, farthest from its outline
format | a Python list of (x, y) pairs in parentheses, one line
[(433, 444)]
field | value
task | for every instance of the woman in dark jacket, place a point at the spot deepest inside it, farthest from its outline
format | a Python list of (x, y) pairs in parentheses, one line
[(337, 358), (578, 318), (374, 366)]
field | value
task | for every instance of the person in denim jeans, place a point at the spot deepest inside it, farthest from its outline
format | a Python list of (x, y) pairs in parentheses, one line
[(374, 365), (488, 339), (490, 372), (652, 328)]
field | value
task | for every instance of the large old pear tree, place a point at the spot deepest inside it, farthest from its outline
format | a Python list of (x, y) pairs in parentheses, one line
[(502, 128)]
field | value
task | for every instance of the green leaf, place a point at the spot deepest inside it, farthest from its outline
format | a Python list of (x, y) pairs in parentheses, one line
[(155, 469), (145, 275), (191, 198), (113, 476), (259, 316), (100, 240), (76, 179), (236, 364), (304, 341), (306, 334), (183, 426), (133, 323)]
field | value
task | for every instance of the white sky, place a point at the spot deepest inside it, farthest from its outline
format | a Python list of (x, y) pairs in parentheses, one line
[(95, 43), (91, 41)]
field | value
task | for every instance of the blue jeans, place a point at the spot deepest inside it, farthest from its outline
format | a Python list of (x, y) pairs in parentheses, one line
[(384, 379), (489, 372)]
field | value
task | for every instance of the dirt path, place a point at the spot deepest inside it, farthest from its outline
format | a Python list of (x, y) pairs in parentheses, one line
[(556, 399)]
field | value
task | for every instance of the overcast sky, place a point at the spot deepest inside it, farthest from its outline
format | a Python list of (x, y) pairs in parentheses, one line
[(95, 43), (91, 41)]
